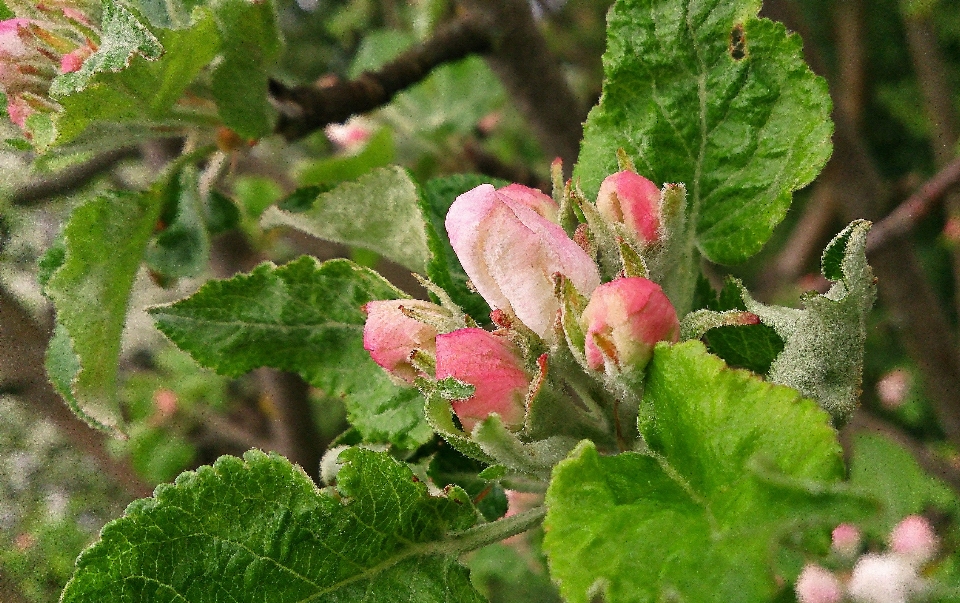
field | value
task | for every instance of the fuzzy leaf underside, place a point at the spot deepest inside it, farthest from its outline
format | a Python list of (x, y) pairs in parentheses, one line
[(705, 94), (104, 241), (823, 348), (302, 317), (735, 464), (257, 530), (379, 211)]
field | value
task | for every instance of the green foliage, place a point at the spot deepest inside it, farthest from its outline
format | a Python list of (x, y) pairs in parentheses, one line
[(251, 43), (123, 35), (306, 318), (753, 347), (378, 152), (182, 248), (706, 94), (823, 343), (143, 91), (380, 211), (272, 537), (734, 464), (104, 242)]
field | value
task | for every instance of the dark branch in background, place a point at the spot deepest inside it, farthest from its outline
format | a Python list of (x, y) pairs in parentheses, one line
[(295, 433), (532, 76), (23, 346), (306, 109), (71, 178), (902, 220)]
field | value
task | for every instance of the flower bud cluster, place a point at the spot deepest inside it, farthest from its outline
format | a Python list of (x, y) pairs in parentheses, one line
[(890, 577), (526, 266), (42, 42)]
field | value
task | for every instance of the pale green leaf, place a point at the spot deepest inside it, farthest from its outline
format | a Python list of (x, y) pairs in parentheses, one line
[(182, 249), (379, 211), (122, 36), (104, 242), (734, 465), (250, 45), (706, 94), (823, 348), (257, 530), (302, 317)]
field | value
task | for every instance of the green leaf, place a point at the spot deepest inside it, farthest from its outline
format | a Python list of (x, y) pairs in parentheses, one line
[(823, 343), (753, 347), (444, 268), (892, 475), (122, 36), (250, 44), (145, 90), (258, 530), (307, 318), (104, 242), (706, 94), (182, 249), (5, 13), (221, 213), (379, 151), (734, 466), (380, 212)]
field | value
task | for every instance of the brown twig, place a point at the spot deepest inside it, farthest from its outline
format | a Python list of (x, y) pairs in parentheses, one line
[(295, 433), (23, 347), (71, 178), (308, 108), (901, 220), (532, 75)]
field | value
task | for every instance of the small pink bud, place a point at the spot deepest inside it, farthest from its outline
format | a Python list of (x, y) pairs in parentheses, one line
[(632, 200), (19, 111), (892, 388), (510, 248), (846, 539), (350, 136), (883, 579), (72, 61), (915, 539), (391, 336), (624, 319), (493, 366), (818, 585)]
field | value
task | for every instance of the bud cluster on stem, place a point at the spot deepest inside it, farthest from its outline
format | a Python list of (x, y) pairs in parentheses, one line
[(513, 243)]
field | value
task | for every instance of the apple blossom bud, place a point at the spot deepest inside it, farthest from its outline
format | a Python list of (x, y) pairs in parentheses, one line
[(392, 336), (630, 199), (510, 248), (490, 363), (883, 579), (846, 539), (623, 320), (915, 539), (72, 61), (818, 585)]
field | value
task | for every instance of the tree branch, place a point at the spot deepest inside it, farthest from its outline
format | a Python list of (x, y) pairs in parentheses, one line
[(532, 76), (901, 220), (296, 435), (71, 178), (306, 109), (23, 347)]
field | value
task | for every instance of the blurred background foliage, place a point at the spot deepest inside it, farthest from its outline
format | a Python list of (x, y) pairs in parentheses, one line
[(878, 56)]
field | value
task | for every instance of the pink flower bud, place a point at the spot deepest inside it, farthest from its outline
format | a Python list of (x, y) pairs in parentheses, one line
[(624, 319), (883, 579), (510, 248), (632, 200), (892, 388), (72, 61), (846, 539), (391, 336), (915, 539), (493, 366), (818, 585), (19, 111)]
